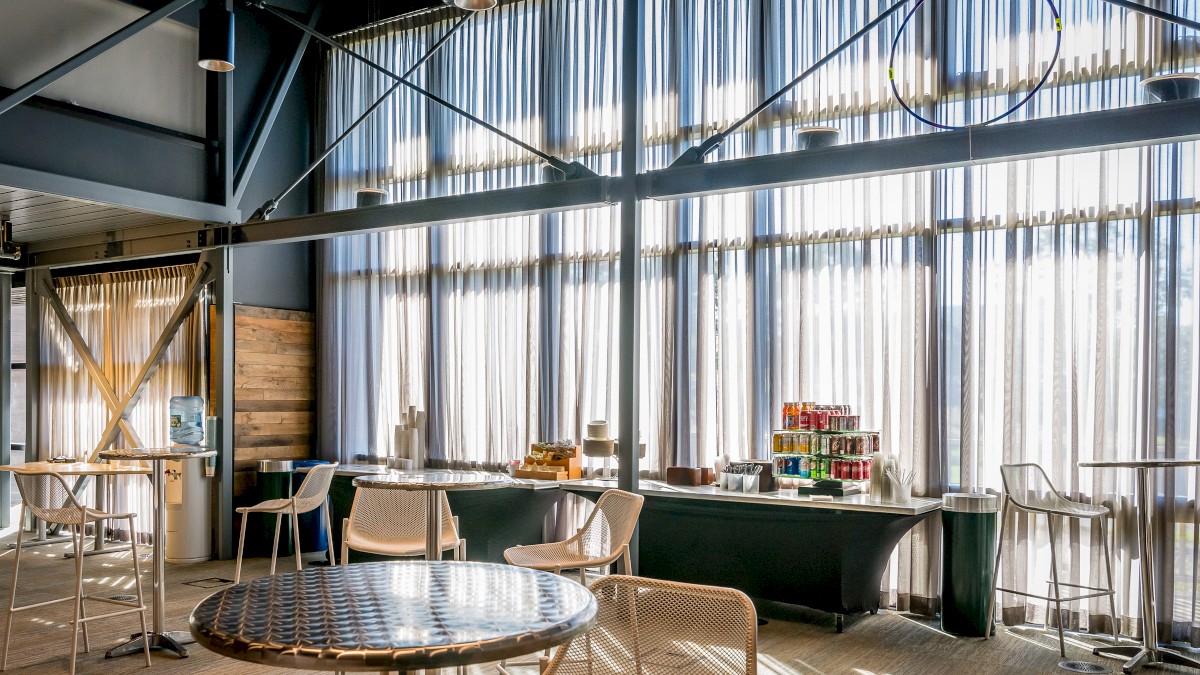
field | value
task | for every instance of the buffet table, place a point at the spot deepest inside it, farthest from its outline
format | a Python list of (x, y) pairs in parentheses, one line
[(825, 555), (490, 520)]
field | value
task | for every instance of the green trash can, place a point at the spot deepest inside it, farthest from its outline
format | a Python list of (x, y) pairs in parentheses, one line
[(274, 482), (968, 560)]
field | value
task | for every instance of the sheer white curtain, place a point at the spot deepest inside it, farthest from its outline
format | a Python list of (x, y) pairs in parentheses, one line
[(975, 316), (120, 315), (504, 331)]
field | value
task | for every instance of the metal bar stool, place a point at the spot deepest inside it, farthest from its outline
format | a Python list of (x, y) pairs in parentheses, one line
[(1027, 488), (47, 496)]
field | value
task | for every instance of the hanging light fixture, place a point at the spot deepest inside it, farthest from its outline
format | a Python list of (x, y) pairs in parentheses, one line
[(216, 37), (370, 197), (472, 5)]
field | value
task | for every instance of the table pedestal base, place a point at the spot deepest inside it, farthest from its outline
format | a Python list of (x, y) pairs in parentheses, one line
[(1141, 657), (167, 641)]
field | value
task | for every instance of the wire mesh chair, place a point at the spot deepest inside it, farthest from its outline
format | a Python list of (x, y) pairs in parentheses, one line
[(47, 496), (603, 540), (392, 522), (1027, 488), (313, 494), (649, 626)]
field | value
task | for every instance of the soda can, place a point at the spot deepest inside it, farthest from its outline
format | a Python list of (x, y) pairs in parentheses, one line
[(803, 443), (837, 445), (805, 469), (777, 443)]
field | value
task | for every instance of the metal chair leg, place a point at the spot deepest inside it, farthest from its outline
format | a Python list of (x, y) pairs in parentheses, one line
[(1062, 645), (1112, 595), (237, 571), (78, 593), (328, 534), (296, 536), (12, 592), (991, 613), (137, 585), (275, 545), (87, 641)]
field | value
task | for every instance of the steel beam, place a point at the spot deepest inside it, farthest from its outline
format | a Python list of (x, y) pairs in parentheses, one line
[(5, 391), (49, 77), (33, 365), (266, 121), (522, 201), (1156, 13), (221, 391), (116, 195), (630, 269), (204, 274), (95, 372), (1172, 122)]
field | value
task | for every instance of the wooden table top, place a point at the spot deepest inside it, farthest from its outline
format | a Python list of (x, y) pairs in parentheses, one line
[(76, 468)]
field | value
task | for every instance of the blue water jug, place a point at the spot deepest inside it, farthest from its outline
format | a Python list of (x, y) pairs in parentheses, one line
[(187, 420)]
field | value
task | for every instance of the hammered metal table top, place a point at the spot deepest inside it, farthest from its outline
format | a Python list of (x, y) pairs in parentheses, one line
[(434, 480), (1151, 463), (152, 454), (393, 616), (76, 468)]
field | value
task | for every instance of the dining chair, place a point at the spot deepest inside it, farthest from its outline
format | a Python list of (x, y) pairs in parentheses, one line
[(47, 496), (312, 494), (392, 522), (603, 539), (1028, 488), (652, 627)]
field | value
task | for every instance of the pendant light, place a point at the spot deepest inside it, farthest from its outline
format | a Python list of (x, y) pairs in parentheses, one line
[(216, 37), (473, 5)]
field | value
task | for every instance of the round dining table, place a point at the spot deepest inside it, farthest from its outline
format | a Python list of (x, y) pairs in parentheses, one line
[(1149, 653), (101, 472), (434, 483), (159, 637), (390, 616)]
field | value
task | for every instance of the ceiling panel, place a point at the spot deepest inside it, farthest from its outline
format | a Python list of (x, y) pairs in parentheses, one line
[(40, 217)]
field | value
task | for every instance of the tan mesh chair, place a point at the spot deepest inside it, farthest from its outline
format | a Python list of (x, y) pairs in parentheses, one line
[(652, 627), (313, 494), (1027, 488), (47, 497), (392, 522), (603, 539)]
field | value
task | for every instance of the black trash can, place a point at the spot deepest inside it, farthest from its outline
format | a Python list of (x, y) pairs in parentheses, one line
[(312, 524), (274, 482), (968, 560)]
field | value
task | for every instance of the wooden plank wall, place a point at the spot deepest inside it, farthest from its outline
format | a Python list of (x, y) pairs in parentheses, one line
[(274, 388)]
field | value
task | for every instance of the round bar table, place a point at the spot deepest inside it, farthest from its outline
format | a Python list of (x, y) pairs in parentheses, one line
[(160, 639), (1149, 653), (389, 616), (434, 483), (102, 472)]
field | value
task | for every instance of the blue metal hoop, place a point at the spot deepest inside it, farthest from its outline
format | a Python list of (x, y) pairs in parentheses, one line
[(1045, 76)]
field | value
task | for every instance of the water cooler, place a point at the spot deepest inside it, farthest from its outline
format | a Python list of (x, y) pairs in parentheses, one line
[(189, 511), (188, 487)]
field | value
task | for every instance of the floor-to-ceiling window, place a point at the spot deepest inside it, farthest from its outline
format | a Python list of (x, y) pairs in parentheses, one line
[(1030, 310)]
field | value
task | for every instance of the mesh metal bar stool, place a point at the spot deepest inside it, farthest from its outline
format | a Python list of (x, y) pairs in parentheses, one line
[(313, 494), (47, 496), (652, 626), (392, 522), (1027, 488), (603, 540)]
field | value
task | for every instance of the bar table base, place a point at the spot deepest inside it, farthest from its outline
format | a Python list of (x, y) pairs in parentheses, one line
[(1141, 657), (169, 641)]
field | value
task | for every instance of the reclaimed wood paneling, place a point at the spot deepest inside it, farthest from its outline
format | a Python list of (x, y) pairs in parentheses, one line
[(274, 388)]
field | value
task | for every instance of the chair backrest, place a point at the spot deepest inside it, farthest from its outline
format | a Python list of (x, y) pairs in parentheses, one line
[(1028, 486), (648, 626), (49, 498), (394, 516), (315, 487), (610, 525)]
